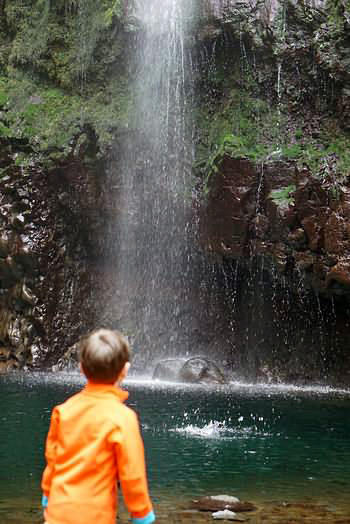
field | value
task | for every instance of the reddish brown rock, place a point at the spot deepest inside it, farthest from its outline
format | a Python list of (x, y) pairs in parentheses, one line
[(310, 197), (335, 231), (297, 238), (230, 208), (281, 212), (51, 236), (339, 273), (304, 260), (313, 232), (280, 257)]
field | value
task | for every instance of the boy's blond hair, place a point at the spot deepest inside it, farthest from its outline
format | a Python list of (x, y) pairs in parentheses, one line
[(103, 354)]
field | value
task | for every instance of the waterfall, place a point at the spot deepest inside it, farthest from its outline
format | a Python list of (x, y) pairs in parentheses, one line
[(154, 261)]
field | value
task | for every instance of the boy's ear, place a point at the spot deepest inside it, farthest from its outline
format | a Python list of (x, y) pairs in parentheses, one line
[(124, 372), (125, 369)]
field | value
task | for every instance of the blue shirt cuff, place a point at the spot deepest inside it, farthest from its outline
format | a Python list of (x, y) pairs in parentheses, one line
[(145, 520), (44, 501)]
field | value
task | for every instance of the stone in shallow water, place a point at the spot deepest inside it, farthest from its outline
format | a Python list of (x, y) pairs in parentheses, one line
[(225, 498), (221, 502), (226, 514)]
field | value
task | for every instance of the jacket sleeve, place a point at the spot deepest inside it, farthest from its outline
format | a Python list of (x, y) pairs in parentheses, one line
[(50, 453), (132, 469)]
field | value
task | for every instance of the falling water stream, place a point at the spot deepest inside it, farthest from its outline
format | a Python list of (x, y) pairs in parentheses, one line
[(153, 268)]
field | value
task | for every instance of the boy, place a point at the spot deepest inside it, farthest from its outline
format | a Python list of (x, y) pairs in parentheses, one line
[(94, 441)]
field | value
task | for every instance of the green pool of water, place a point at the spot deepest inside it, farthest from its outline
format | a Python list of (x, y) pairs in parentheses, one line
[(258, 443)]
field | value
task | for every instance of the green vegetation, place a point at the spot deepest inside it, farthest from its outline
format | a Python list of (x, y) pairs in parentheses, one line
[(298, 133), (242, 124), (283, 196), (242, 112), (62, 75), (314, 153), (239, 127), (53, 122), (336, 10), (67, 41)]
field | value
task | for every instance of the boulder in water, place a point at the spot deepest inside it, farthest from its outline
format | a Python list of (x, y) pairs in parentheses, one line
[(195, 370), (169, 369), (198, 370)]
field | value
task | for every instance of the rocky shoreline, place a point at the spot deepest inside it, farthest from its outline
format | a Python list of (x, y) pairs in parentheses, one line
[(175, 512)]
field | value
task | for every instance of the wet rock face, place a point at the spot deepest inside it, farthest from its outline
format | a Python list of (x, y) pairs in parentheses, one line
[(298, 221), (265, 10), (278, 235), (50, 237), (280, 240), (308, 40)]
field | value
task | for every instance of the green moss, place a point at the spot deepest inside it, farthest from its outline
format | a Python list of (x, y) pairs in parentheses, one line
[(4, 130), (314, 154), (240, 124), (237, 120), (283, 196), (50, 119), (340, 147), (240, 112), (115, 10), (292, 151), (3, 93), (3, 98), (62, 75), (336, 11), (69, 41)]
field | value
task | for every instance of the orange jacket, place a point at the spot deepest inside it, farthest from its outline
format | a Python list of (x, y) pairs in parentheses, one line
[(94, 440)]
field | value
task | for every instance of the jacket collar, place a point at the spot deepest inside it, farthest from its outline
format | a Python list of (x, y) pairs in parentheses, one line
[(92, 387)]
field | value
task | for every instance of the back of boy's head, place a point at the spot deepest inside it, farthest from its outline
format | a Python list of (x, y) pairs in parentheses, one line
[(103, 354)]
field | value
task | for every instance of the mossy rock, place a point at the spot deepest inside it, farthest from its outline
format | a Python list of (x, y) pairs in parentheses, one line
[(51, 120), (283, 196)]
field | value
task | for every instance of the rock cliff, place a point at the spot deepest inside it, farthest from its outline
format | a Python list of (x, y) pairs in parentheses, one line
[(284, 213), (276, 187), (62, 103), (271, 112), (51, 233)]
